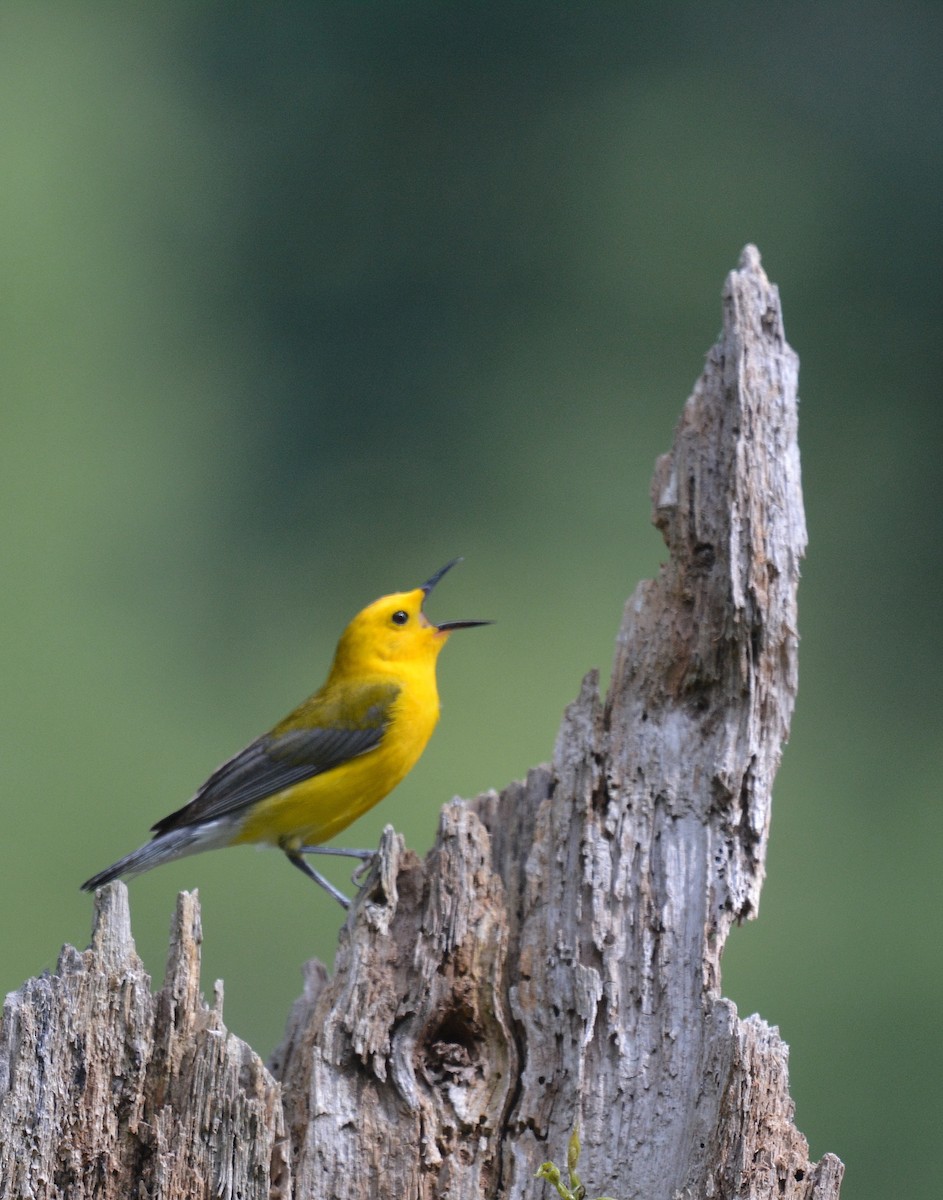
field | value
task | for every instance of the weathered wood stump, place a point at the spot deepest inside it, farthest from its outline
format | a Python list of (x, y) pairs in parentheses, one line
[(555, 960)]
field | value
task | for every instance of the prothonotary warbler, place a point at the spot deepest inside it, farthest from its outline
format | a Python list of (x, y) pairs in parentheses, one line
[(339, 753)]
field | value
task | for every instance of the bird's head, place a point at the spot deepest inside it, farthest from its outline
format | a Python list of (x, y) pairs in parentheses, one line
[(394, 629)]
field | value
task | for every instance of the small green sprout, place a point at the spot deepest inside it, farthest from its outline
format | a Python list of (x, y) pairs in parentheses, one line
[(553, 1175)]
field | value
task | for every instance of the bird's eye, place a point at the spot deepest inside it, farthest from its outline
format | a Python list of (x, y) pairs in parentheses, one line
[(400, 617)]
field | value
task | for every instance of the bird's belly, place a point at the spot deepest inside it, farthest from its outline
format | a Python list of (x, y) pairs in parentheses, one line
[(313, 811)]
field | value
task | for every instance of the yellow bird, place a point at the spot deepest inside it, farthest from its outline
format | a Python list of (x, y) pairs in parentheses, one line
[(336, 755)]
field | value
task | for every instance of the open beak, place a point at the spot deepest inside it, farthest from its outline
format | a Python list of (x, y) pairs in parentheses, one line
[(430, 583), (448, 626)]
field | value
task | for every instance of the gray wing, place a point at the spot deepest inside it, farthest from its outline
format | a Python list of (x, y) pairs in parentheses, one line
[(287, 755)]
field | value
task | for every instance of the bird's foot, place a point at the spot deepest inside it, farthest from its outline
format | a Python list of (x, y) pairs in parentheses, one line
[(358, 878)]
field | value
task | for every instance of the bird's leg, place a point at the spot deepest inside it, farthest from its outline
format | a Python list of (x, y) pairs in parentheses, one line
[(364, 854), (294, 857), (366, 857)]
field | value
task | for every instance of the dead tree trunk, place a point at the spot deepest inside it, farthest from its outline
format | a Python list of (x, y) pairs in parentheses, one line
[(555, 961)]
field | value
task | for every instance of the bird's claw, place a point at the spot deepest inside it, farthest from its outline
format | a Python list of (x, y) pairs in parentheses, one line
[(359, 877)]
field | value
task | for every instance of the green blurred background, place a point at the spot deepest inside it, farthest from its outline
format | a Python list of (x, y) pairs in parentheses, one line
[(299, 301)]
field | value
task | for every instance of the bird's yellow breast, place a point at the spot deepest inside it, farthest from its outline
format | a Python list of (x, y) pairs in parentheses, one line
[(313, 811)]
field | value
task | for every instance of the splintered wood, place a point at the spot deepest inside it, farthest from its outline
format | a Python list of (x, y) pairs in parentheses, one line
[(108, 1090), (554, 963)]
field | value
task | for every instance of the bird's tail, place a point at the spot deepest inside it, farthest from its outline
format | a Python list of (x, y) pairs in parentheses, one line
[(163, 848)]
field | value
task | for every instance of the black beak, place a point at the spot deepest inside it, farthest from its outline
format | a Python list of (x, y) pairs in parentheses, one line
[(448, 626), (430, 583)]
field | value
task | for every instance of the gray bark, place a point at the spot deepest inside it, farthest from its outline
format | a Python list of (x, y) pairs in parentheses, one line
[(107, 1090), (553, 963)]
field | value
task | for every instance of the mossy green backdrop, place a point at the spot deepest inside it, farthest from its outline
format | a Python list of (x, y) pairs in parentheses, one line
[(299, 301)]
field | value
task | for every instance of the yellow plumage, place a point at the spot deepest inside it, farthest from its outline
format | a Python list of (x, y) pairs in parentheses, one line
[(336, 755), (315, 810)]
